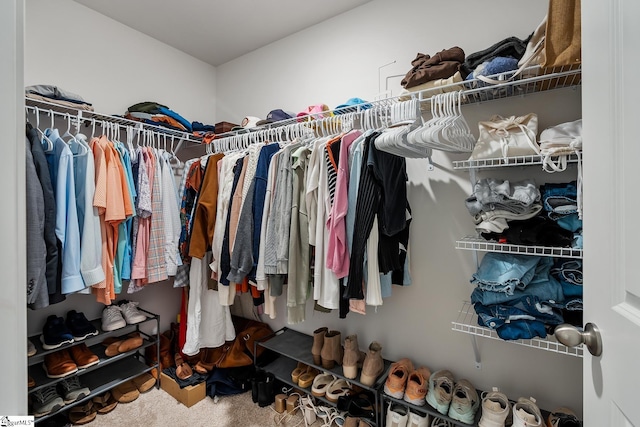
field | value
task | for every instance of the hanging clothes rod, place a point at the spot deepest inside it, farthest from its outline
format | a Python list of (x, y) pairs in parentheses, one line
[(91, 118)]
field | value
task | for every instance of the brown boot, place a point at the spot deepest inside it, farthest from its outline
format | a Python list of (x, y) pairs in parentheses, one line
[(318, 342), (351, 357), (373, 365), (331, 352)]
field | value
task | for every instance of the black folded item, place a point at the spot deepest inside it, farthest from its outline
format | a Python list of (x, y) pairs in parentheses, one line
[(511, 47), (147, 107), (201, 127), (538, 230)]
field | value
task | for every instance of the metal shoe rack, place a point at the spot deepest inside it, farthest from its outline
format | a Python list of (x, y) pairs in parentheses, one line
[(109, 372), (292, 347)]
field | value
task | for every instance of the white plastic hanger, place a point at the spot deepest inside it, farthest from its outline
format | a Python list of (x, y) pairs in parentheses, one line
[(44, 139)]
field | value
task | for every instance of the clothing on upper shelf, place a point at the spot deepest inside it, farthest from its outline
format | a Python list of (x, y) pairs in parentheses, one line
[(442, 65), (57, 95), (158, 115), (511, 47), (104, 202)]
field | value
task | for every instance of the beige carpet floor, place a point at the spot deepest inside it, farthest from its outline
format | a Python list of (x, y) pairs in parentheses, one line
[(158, 408)]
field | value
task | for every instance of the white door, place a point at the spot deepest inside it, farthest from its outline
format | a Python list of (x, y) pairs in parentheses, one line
[(611, 113)]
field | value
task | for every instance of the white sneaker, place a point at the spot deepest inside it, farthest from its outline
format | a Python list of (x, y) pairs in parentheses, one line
[(440, 391), (526, 413), (418, 420), (397, 416), (495, 409), (112, 318), (131, 313), (464, 403)]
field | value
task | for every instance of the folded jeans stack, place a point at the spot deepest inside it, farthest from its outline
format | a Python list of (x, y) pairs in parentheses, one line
[(561, 204), (516, 295)]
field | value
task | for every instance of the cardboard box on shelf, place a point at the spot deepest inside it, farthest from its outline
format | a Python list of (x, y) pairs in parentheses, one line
[(188, 396)]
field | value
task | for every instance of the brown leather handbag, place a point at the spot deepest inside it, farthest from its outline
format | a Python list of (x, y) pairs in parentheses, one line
[(239, 352)]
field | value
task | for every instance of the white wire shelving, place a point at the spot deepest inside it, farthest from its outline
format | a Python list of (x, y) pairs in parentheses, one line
[(89, 118), (467, 322), (506, 162), (474, 243)]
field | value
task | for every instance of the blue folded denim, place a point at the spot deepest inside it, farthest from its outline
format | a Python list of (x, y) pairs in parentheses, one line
[(577, 241), (528, 307), (573, 304), (543, 286), (503, 272), (560, 199), (570, 222), (569, 273), (520, 330)]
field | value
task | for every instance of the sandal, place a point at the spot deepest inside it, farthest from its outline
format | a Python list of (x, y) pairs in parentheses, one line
[(299, 370), (183, 370), (321, 383), (83, 414), (337, 388), (307, 377)]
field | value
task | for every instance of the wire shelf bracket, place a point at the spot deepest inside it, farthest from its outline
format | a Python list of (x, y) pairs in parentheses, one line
[(467, 322)]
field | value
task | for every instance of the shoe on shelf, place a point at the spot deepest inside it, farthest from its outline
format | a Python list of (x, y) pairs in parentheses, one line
[(299, 370), (397, 379), (31, 382), (417, 384), (318, 342), (83, 357), (84, 414), (31, 348), (418, 420), (118, 345), (125, 392), (352, 358), (321, 384), (331, 352), (563, 417), (337, 388), (464, 402), (397, 416), (130, 312), (144, 382), (362, 405), (526, 413), (307, 377), (373, 364), (112, 318), (105, 403), (495, 409), (59, 364), (71, 389), (45, 401), (440, 391), (79, 326), (55, 333)]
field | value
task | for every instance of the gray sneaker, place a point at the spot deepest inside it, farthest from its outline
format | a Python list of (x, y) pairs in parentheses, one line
[(45, 401), (72, 390)]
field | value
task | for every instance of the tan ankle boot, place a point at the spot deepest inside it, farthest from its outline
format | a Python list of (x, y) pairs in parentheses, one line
[(351, 357), (373, 364), (331, 352), (318, 342)]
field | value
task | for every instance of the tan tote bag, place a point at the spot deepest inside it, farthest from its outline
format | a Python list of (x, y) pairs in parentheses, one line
[(563, 38), (503, 137)]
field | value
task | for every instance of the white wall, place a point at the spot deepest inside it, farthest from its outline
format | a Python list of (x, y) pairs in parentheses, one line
[(112, 66), (339, 59), (13, 298)]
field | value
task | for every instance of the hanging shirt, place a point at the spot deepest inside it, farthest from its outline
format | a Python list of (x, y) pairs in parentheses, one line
[(156, 261), (60, 162), (88, 217), (171, 214), (142, 222)]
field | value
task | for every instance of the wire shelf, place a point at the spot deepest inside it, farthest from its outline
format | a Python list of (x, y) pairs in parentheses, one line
[(479, 244), (506, 162), (87, 117), (467, 322)]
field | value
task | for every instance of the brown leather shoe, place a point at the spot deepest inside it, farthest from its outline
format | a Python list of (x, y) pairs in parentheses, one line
[(59, 364), (130, 344), (144, 382), (83, 356), (125, 392)]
